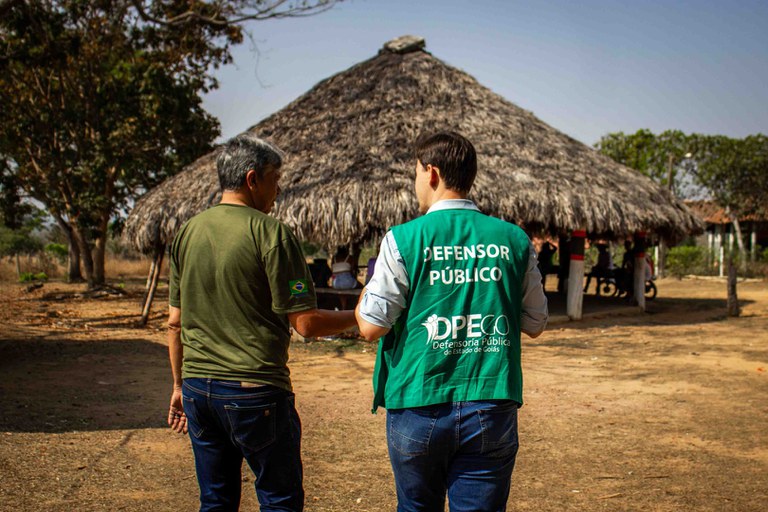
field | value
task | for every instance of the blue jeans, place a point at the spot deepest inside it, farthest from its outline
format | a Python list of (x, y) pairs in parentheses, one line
[(465, 448), (229, 423)]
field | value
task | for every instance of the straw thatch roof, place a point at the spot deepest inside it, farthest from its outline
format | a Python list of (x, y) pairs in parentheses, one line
[(348, 175)]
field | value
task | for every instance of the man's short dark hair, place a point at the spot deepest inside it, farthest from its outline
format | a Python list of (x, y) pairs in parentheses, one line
[(453, 154), (242, 153)]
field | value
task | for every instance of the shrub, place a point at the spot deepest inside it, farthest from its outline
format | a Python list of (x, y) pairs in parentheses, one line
[(685, 260), (31, 276)]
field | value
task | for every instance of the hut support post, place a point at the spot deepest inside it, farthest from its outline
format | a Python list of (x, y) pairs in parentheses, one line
[(575, 297), (640, 264), (710, 247), (149, 277), (659, 256), (157, 265)]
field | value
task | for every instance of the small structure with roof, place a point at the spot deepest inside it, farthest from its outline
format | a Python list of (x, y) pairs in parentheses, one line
[(719, 231)]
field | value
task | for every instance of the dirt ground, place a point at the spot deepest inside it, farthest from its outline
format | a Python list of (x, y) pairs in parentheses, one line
[(662, 411)]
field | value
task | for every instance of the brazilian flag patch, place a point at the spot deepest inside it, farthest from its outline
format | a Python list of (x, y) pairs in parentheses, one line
[(298, 287)]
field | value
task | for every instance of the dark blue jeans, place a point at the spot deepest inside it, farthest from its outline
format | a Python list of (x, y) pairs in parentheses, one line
[(229, 423), (465, 448)]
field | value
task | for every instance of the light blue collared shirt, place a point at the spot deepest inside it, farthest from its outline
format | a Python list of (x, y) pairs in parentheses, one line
[(385, 294)]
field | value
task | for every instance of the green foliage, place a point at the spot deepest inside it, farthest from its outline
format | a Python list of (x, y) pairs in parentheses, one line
[(13, 242), (27, 277), (310, 249), (58, 251), (734, 170), (648, 153), (685, 260), (100, 101), (18, 236)]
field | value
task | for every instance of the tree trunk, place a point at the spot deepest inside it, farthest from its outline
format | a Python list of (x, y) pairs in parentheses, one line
[(85, 254), (99, 256), (733, 300), (18, 267), (73, 263), (73, 252), (739, 241)]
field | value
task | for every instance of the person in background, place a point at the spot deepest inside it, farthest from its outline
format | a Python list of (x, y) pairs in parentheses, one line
[(603, 269), (450, 296)]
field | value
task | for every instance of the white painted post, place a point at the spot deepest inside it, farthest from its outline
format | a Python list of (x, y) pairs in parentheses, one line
[(575, 294), (753, 242), (721, 258), (719, 247)]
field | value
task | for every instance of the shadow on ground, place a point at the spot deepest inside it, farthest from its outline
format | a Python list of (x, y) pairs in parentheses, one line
[(61, 385)]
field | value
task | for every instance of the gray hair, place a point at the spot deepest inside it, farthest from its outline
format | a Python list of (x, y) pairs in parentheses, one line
[(241, 154)]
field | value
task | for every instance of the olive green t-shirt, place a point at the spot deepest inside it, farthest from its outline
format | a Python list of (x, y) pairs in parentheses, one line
[(236, 273)]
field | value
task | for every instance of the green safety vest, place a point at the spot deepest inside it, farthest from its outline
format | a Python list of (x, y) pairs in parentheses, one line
[(458, 339)]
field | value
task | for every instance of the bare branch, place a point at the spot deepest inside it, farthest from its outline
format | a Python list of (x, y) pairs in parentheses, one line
[(245, 11)]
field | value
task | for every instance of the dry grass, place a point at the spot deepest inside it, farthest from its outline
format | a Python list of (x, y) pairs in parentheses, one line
[(120, 268), (116, 267), (33, 263)]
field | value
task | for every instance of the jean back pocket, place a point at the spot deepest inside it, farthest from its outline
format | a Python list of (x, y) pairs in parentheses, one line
[(253, 427)]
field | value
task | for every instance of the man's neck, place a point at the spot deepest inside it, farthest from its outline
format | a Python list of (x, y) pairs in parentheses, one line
[(235, 197), (444, 194)]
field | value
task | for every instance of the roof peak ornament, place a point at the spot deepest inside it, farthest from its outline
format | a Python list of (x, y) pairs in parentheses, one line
[(404, 44)]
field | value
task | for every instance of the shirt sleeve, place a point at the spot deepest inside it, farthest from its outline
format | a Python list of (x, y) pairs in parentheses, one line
[(535, 310), (174, 291), (290, 281), (385, 294)]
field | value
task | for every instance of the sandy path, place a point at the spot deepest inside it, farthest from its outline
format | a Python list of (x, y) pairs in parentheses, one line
[(663, 411)]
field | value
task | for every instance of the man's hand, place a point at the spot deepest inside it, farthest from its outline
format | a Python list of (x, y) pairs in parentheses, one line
[(177, 420)]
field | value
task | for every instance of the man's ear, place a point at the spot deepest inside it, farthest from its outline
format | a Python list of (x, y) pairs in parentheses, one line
[(251, 179), (434, 175)]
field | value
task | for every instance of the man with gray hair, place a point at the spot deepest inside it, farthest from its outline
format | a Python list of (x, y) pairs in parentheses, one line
[(238, 281)]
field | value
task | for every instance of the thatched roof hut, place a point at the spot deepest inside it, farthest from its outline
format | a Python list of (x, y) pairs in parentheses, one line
[(348, 175)]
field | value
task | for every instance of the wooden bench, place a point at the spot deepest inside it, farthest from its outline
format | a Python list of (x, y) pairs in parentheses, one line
[(354, 292), (342, 295)]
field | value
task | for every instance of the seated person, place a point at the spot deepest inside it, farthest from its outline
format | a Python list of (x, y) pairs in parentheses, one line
[(545, 261), (320, 271), (343, 271), (603, 268), (626, 274)]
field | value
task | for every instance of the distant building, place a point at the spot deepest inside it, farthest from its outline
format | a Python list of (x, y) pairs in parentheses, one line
[(719, 233)]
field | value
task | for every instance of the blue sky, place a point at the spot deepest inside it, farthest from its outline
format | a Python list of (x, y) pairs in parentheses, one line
[(586, 68)]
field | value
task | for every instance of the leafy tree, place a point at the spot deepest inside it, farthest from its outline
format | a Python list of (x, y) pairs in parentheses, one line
[(99, 99), (735, 171), (657, 156), (17, 234)]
